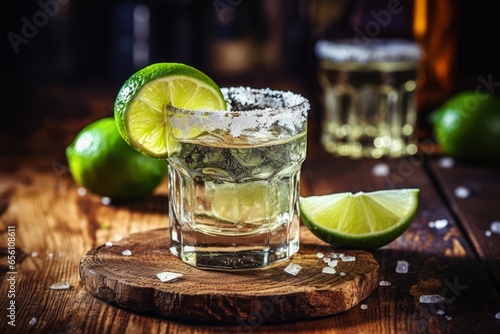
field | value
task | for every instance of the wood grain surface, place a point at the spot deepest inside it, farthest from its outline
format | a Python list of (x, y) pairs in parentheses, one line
[(270, 294), (55, 227)]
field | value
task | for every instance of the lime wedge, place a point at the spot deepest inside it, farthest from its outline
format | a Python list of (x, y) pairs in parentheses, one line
[(361, 220), (141, 104)]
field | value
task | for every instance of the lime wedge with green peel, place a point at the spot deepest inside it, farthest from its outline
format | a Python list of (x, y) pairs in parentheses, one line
[(362, 220), (143, 100)]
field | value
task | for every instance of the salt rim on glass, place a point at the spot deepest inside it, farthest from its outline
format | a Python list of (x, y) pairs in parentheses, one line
[(288, 110)]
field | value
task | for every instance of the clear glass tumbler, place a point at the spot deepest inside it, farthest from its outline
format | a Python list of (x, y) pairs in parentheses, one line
[(234, 179), (369, 91)]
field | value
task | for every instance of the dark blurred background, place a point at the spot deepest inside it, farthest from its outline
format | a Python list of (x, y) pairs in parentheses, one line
[(95, 45)]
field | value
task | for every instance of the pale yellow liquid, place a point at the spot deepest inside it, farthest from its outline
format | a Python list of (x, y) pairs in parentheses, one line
[(369, 109), (235, 207), (237, 190)]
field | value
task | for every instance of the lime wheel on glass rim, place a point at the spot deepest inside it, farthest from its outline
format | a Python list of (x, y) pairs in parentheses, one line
[(142, 101)]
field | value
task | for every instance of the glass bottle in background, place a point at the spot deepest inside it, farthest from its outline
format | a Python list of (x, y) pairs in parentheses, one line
[(435, 27)]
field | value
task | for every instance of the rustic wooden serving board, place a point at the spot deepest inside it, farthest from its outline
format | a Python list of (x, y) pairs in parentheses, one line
[(249, 296)]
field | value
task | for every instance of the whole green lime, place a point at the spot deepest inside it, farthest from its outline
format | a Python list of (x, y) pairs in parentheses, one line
[(102, 162), (467, 127)]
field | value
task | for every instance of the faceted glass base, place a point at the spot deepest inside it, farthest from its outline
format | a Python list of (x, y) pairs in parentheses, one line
[(233, 252)]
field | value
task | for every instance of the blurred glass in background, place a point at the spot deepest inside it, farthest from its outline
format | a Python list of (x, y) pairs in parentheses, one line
[(245, 42)]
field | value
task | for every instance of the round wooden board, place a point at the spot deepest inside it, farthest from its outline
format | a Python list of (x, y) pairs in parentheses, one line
[(256, 295)]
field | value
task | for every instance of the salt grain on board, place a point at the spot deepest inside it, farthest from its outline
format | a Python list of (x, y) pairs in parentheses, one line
[(166, 276), (32, 322), (342, 273), (60, 286), (106, 201), (364, 306), (127, 252), (402, 267), (495, 227), (348, 258), (446, 162), (380, 169), (462, 192), (333, 263), (320, 255), (329, 270), (439, 224), (384, 283), (431, 299), (487, 233), (497, 315), (108, 244), (293, 269)]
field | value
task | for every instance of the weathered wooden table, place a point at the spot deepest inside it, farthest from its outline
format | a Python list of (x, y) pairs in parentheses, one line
[(48, 227)]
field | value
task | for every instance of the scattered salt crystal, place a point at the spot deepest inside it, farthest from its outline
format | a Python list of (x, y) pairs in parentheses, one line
[(462, 192), (380, 169), (440, 312), (439, 224), (495, 227), (431, 299), (342, 273), (293, 269), (348, 258), (34, 254), (364, 306), (487, 233), (402, 267), (329, 270), (384, 283), (497, 315), (81, 191), (333, 263), (60, 286), (167, 276), (320, 255), (127, 252), (446, 162), (448, 317), (106, 200), (334, 255), (50, 255), (108, 244), (326, 259), (32, 322), (341, 254)]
